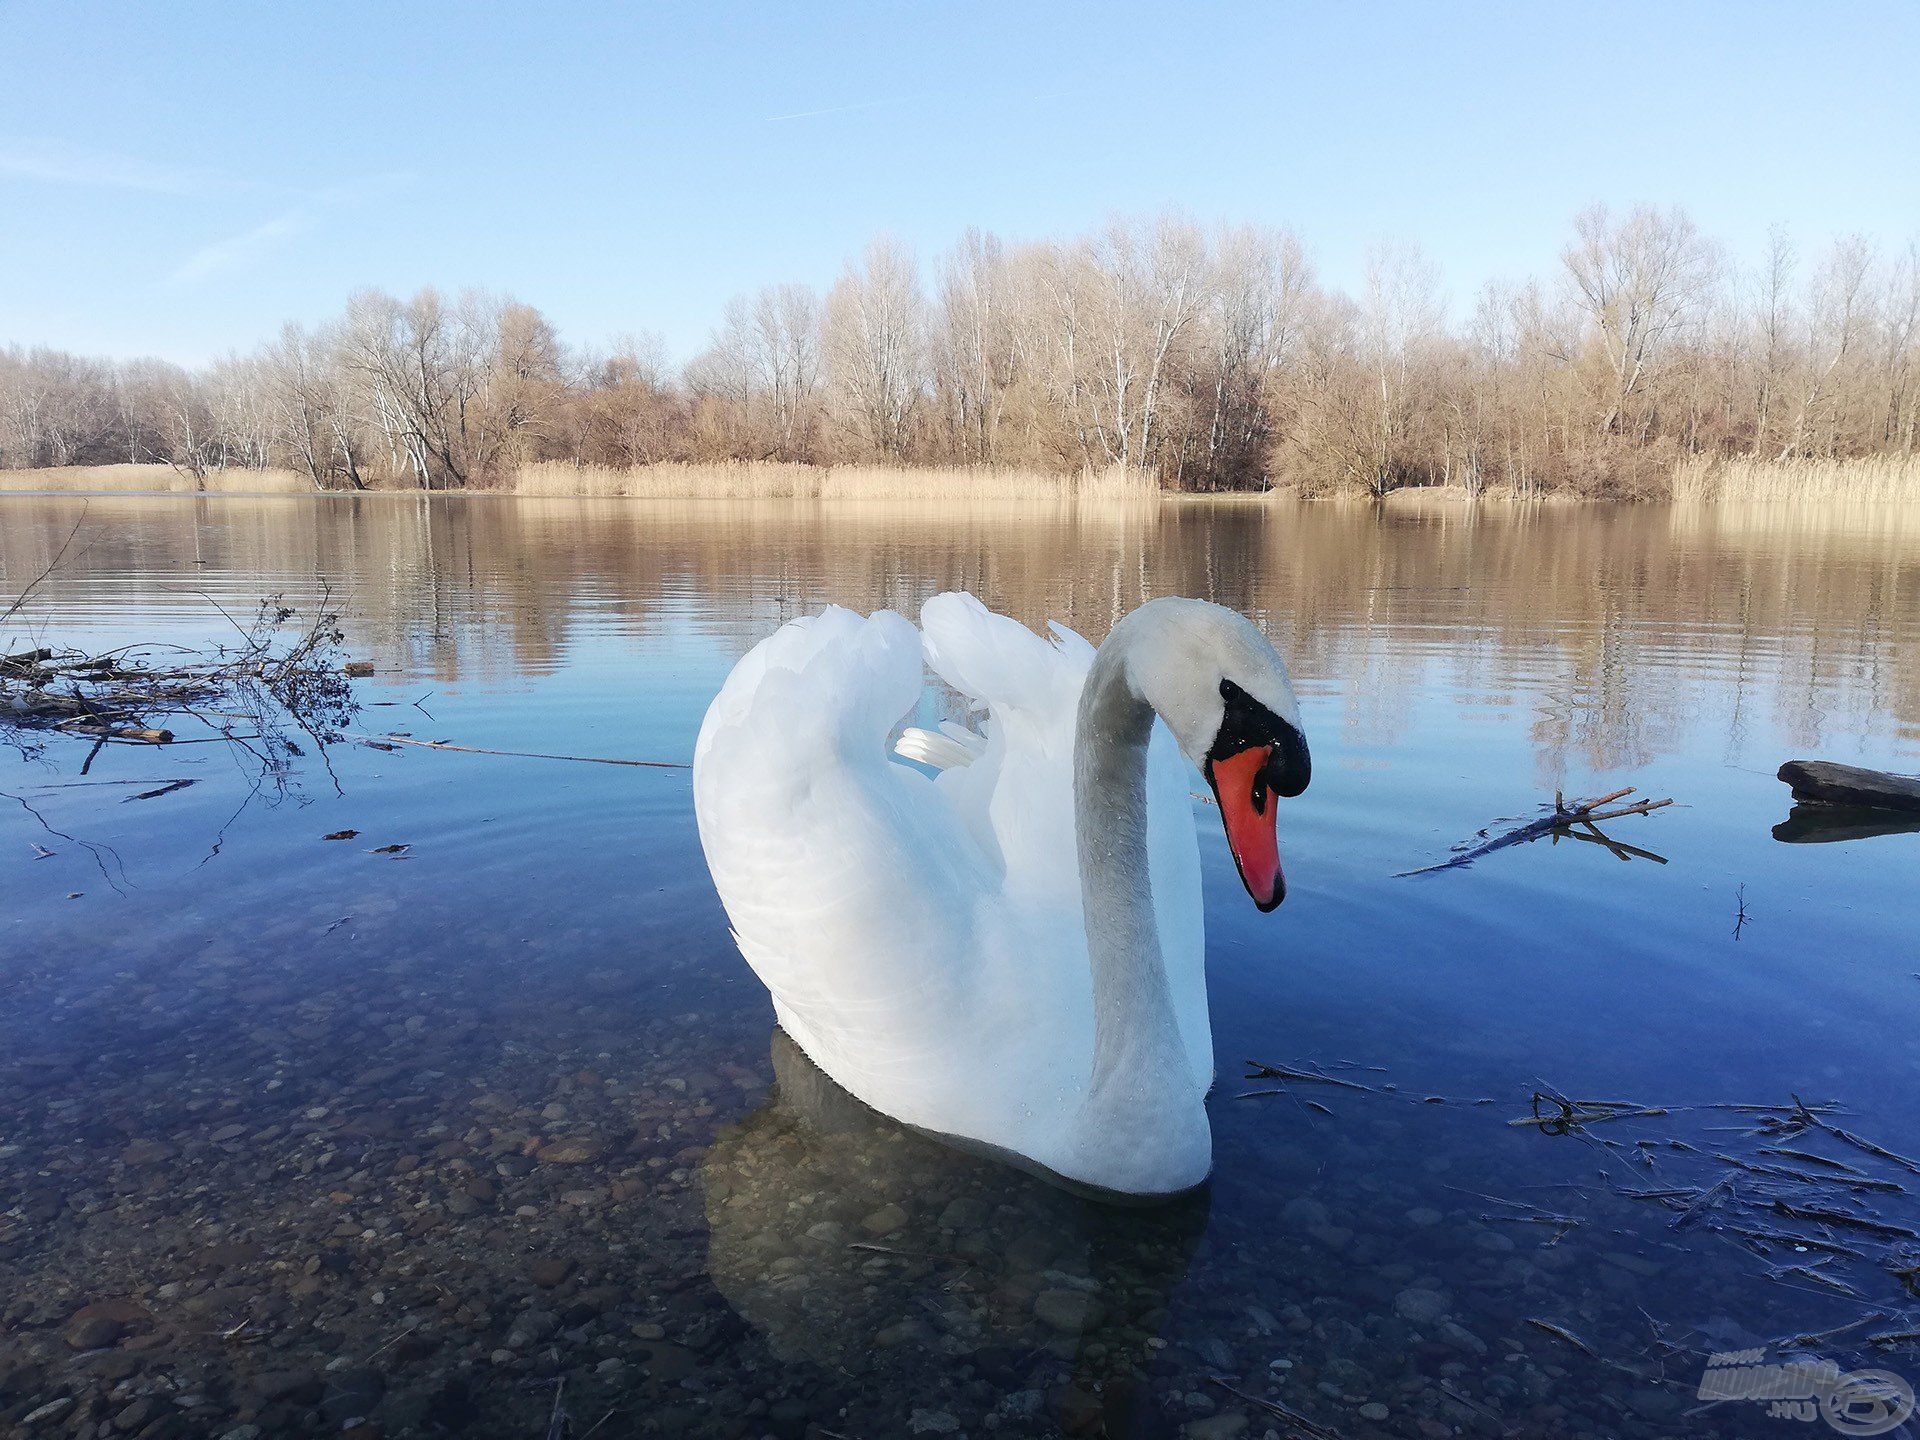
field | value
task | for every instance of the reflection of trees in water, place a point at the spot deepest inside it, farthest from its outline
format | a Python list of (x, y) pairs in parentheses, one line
[(847, 1240), (1611, 630)]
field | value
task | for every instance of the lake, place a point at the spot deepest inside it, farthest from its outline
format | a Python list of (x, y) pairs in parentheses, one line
[(298, 1134)]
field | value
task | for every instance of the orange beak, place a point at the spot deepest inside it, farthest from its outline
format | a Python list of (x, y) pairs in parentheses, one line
[(1248, 810)]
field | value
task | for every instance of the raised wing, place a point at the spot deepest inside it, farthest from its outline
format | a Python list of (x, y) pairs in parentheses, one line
[(852, 886), (1017, 794)]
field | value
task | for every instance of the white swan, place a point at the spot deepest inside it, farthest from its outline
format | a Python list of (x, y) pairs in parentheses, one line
[(1009, 955)]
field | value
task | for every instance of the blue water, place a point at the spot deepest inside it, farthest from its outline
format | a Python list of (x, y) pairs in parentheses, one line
[(550, 939)]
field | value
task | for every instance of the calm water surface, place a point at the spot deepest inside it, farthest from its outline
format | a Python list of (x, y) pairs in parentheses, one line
[(332, 1139)]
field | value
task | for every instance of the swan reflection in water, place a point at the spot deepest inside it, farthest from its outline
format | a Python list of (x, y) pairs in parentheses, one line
[(849, 1240)]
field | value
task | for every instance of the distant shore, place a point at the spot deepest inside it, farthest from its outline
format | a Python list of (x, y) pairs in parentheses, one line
[(1877, 481)]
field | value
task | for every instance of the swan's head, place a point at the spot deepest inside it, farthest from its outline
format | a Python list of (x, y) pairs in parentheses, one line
[(1224, 692)]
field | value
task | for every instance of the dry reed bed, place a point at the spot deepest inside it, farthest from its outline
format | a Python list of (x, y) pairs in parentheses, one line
[(743, 481), (767, 480), (1698, 481), (151, 479), (1873, 480)]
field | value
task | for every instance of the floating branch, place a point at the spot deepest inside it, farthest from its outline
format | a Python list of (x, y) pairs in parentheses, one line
[(1561, 820), (1812, 1118), (1588, 834), (1819, 1337)]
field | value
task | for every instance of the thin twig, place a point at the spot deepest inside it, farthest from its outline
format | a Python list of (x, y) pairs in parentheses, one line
[(378, 740), (401, 1336), (52, 565)]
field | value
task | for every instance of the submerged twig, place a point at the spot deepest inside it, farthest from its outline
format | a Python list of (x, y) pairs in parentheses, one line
[(1310, 1428), (1561, 1333), (869, 1248)]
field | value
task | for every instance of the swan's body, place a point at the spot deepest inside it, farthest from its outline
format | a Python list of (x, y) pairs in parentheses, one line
[(1010, 953)]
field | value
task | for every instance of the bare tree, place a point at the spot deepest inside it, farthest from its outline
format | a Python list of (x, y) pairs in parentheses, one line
[(1900, 355), (1147, 285), (876, 346), (1641, 282), (977, 346), (1838, 326), (786, 325), (1251, 330), (1399, 321), (1775, 315)]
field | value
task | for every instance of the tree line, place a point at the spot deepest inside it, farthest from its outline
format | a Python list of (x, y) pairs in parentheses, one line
[(1212, 358)]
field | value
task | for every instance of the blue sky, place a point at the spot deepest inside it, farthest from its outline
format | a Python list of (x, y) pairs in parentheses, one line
[(177, 179)]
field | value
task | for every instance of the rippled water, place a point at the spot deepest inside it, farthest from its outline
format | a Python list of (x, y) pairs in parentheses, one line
[(325, 1136)]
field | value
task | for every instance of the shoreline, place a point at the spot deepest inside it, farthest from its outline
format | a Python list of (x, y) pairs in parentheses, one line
[(1880, 485)]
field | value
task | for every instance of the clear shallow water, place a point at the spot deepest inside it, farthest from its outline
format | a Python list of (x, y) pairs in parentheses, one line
[(331, 1093)]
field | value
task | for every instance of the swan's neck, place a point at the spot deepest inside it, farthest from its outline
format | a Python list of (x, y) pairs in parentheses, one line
[(1139, 1060)]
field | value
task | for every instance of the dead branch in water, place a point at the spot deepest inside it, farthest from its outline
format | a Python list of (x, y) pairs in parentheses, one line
[(1560, 820), (274, 683)]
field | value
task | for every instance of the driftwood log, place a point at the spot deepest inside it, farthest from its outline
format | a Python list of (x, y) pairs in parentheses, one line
[(1830, 784)]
